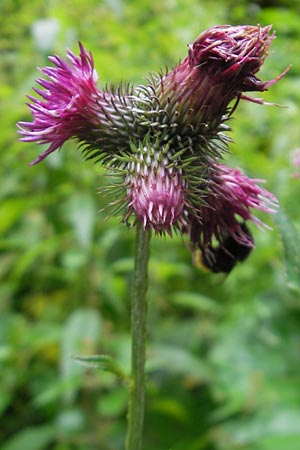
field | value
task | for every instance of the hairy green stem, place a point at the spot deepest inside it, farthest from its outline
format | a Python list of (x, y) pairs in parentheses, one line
[(138, 332)]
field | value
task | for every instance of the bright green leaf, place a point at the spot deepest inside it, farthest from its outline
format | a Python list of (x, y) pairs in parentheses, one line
[(81, 333), (290, 236), (31, 438), (195, 301), (176, 360)]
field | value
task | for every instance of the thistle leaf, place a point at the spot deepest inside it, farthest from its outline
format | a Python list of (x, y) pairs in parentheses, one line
[(102, 362)]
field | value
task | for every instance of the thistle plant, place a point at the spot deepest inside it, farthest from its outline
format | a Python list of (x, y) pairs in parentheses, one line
[(163, 142)]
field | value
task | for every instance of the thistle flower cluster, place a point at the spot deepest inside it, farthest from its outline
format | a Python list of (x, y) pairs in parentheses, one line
[(164, 140)]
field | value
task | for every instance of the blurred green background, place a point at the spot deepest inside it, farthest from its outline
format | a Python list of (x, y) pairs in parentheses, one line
[(223, 356)]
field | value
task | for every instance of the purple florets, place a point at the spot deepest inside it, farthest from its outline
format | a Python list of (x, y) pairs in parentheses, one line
[(230, 200), (69, 97)]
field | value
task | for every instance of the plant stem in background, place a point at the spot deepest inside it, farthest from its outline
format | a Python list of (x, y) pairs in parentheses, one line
[(138, 331)]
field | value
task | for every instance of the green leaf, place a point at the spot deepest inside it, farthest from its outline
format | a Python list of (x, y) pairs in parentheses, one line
[(102, 362), (12, 210), (290, 236), (287, 441), (177, 361), (272, 429), (58, 389), (113, 403), (171, 408), (195, 301), (82, 213), (81, 334), (31, 438)]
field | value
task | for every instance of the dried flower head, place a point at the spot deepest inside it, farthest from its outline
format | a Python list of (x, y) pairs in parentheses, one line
[(164, 140)]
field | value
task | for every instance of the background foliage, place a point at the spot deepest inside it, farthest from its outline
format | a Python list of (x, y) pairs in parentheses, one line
[(223, 356)]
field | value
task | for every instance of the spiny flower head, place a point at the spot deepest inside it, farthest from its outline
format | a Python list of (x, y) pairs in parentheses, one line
[(71, 106), (220, 67), (163, 140), (220, 232), (156, 190), (69, 96), (230, 199)]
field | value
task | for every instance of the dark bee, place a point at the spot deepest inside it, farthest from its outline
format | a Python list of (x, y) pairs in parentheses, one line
[(223, 258)]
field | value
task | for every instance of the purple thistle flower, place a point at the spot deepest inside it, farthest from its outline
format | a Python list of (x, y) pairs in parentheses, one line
[(220, 67), (164, 140), (73, 107), (229, 202), (156, 192), (68, 102)]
